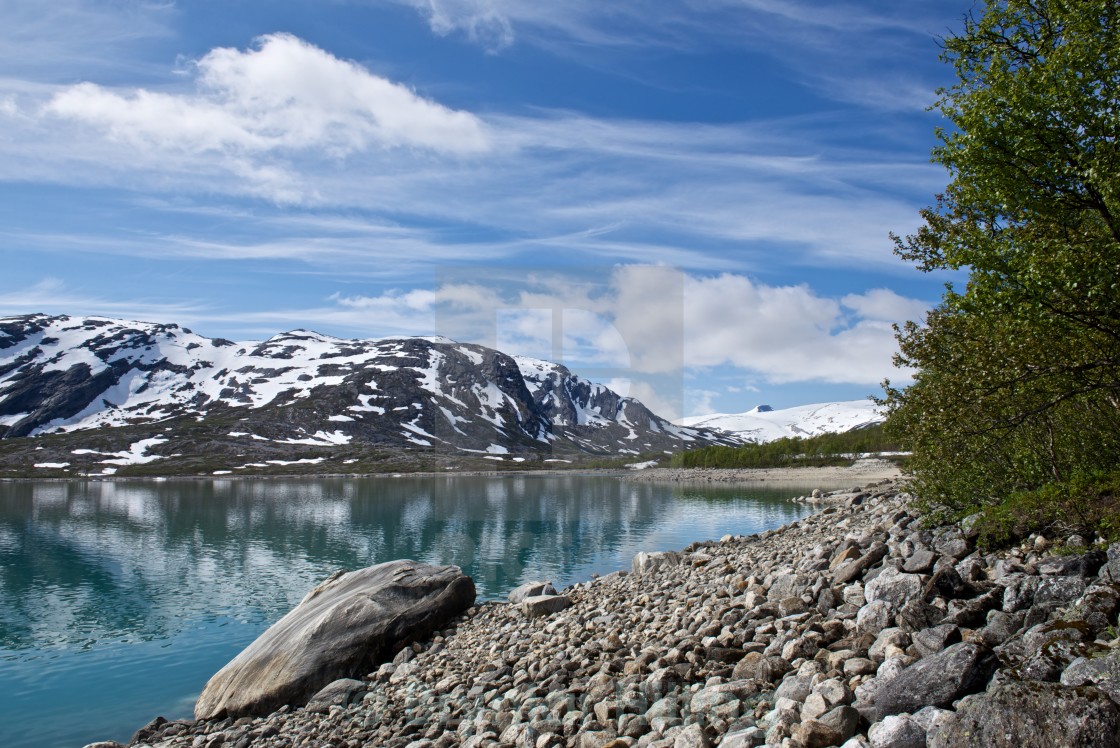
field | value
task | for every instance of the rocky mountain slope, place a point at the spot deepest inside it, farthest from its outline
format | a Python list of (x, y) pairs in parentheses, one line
[(97, 395), (765, 424)]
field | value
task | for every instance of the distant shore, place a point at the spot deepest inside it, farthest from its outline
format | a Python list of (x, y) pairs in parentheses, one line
[(863, 471)]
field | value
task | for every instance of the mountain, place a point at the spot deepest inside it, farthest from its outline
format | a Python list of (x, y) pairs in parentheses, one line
[(92, 394), (764, 424)]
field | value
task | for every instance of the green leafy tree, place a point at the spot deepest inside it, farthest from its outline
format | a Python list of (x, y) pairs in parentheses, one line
[(1018, 375)]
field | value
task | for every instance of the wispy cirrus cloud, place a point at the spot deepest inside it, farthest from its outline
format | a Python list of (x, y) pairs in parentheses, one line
[(53, 296), (291, 123), (840, 49), (55, 40)]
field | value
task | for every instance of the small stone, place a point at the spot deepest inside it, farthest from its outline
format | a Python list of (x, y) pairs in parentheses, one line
[(900, 731), (813, 734), (920, 562), (751, 737), (692, 736), (843, 719)]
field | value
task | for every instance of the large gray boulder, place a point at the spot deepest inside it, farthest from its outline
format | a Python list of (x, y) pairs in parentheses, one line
[(894, 587), (937, 680), (1102, 672), (1031, 715), (347, 625)]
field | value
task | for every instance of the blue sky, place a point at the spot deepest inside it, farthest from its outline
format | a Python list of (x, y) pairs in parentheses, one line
[(691, 199)]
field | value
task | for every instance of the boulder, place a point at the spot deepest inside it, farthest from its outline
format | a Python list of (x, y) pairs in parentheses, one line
[(813, 734), (946, 583), (337, 693), (843, 719), (751, 737), (348, 624), (900, 731), (544, 605), (1110, 572), (937, 680), (874, 617), (756, 666), (1060, 590), (952, 542), (1097, 607), (894, 587), (852, 570), (1086, 565), (920, 562), (530, 589), (1031, 715), (644, 561), (1102, 672), (935, 639)]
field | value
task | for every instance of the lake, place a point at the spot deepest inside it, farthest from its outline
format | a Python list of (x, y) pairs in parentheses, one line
[(119, 599)]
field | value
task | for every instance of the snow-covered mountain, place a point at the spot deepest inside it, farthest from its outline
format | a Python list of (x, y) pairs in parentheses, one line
[(93, 391), (764, 424)]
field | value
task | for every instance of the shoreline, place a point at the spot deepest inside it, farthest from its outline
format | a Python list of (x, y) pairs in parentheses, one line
[(857, 625), (863, 471)]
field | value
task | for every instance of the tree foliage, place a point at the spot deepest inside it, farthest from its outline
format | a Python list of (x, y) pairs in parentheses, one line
[(1018, 375), (815, 451)]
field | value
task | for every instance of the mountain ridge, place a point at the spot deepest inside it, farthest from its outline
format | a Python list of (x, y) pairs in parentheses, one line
[(135, 397)]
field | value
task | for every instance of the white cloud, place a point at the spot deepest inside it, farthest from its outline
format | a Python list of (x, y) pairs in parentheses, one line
[(884, 305), (651, 323), (288, 122), (790, 333), (256, 112), (479, 20)]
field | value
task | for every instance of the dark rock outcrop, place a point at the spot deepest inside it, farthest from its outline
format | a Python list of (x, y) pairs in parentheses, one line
[(1032, 715)]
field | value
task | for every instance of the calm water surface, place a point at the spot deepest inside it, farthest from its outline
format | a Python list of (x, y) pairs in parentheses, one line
[(118, 600)]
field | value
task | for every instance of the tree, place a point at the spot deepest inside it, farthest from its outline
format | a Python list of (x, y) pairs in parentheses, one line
[(1018, 375)]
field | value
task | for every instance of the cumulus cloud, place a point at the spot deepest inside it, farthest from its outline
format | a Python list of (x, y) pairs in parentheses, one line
[(281, 99), (792, 333), (885, 305), (652, 322)]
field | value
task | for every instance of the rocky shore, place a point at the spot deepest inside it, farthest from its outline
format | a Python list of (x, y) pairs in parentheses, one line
[(856, 626), (862, 471)]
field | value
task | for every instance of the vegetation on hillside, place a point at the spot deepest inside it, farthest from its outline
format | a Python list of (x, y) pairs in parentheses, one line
[(1015, 408), (816, 451)]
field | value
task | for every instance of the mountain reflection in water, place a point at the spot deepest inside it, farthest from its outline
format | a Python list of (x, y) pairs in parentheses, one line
[(134, 592)]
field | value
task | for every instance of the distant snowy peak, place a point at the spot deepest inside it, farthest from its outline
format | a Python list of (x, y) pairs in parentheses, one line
[(765, 424)]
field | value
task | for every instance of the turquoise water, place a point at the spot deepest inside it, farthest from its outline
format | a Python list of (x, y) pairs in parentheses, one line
[(118, 600)]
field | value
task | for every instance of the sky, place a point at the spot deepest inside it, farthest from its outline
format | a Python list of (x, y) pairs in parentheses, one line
[(689, 200)]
